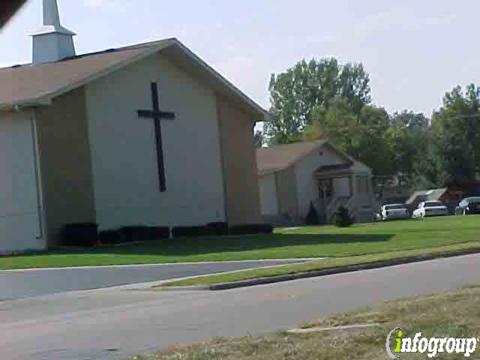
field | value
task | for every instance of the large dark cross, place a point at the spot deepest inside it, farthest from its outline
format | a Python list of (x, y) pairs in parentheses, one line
[(157, 115)]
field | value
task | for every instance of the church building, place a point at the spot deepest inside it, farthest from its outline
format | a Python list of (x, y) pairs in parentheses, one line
[(141, 135)]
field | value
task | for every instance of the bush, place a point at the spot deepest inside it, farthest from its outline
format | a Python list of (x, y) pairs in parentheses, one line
[(112, 237), (343, 218), (251, 229), (159, 232), (83, 235), (218, 228), (134, 233), (312, 217), (145, 233), (192, 231)]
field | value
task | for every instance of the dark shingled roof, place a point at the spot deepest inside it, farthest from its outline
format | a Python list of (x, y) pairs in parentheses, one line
[(280, 157), (26, 84), (33, 85)]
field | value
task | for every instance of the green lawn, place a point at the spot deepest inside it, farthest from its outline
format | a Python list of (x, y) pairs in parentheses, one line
[(325, 264), (294, 243)]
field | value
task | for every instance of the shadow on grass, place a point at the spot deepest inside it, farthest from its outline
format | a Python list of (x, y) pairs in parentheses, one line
[(209, 245)]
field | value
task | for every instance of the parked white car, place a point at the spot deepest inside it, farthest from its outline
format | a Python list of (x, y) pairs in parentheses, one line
[(394, 211), (430, 208)]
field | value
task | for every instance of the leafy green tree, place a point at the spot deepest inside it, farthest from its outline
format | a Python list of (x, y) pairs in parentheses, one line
[(323, 99), (307, 86), (371, 146), (354, 85), (360, 135), (409, 137), (337, 122), (455, 150)]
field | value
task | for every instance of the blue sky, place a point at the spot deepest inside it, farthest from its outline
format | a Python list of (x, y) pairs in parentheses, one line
[(413, 50)]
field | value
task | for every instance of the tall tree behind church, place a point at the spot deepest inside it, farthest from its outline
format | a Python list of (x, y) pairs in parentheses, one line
[(362, 135), (296, 93), (455, 149), (408, 137)]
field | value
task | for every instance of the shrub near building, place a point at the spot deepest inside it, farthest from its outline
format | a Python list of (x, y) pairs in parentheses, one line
[(87, 235), (343, 218)]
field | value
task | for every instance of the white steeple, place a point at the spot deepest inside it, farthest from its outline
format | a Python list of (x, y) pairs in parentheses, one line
[(52, 42)]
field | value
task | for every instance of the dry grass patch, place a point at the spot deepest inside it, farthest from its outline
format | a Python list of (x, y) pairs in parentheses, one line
[(455, 314)]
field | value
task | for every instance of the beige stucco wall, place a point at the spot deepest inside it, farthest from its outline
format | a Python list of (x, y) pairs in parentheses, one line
[(123, 148), (287, 192), (20, 218), (307, 184), (65, 163), (268, 194), (239, 164)]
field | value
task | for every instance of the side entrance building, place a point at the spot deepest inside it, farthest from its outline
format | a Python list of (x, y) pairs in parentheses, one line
[(294, 176)]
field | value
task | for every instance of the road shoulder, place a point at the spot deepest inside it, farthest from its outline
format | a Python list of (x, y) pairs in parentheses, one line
[(331, 266)]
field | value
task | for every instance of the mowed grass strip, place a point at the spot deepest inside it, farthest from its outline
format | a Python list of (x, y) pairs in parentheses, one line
[(453, 314), (304, 242), (319, 265)]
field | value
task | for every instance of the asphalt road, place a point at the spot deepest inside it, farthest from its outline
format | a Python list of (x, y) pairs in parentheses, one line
[(114, 323), (30, 283)]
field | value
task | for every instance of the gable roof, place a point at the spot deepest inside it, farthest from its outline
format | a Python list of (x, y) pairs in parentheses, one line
[(35, 85), (281, 157), (424, 195)]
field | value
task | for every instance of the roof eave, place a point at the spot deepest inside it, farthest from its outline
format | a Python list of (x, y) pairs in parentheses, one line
[(46, 99), (28, 103), (270, 171), (109, 70), (260, 113)]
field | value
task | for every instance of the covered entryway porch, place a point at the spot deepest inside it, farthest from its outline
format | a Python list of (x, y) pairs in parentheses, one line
[(344, 185)]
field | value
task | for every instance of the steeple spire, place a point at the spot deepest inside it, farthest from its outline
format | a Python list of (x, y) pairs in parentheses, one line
[(52, 42), (51, 15)]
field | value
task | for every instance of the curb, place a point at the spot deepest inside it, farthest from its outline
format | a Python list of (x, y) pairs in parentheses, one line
[(324, 272)]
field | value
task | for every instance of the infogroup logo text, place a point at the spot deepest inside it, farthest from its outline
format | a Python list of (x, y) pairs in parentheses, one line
[(398, 343)]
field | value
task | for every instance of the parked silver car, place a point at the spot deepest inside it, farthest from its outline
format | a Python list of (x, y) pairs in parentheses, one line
[(394, 211)]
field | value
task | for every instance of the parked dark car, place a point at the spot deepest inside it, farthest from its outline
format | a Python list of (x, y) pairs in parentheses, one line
[(468, 206)]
